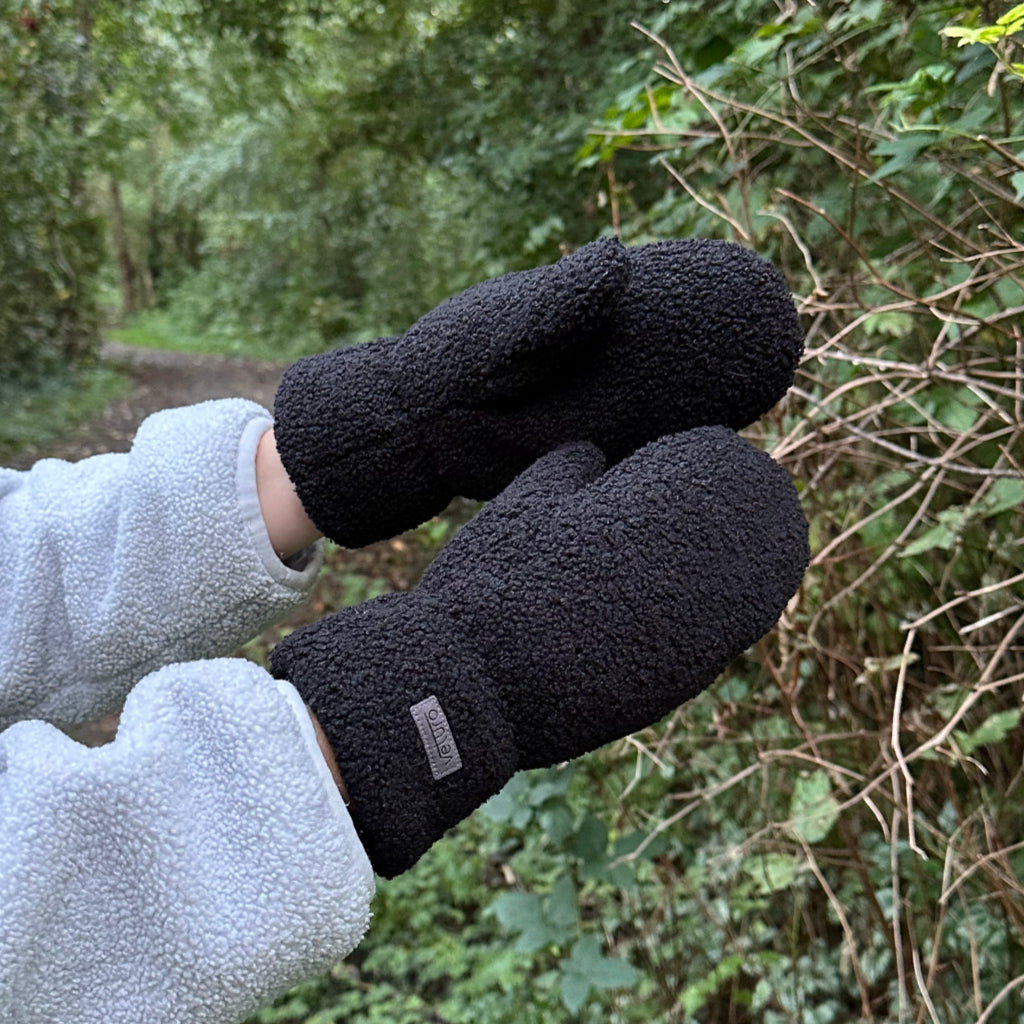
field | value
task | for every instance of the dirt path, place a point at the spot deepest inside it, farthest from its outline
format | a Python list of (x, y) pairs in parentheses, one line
[(160, 380)]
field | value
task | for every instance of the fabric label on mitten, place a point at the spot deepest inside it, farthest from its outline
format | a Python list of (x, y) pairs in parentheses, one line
[(437, 737)]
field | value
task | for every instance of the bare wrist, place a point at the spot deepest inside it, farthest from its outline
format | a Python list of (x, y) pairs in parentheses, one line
[(288, 527)]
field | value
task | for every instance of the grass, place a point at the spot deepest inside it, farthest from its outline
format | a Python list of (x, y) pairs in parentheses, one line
[(162, 329), (52, 408)]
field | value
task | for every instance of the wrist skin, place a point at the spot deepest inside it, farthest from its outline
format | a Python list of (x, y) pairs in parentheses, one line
[(288, 527), (290, 530)]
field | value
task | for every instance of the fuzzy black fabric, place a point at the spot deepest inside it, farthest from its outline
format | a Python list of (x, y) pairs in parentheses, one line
[(611, 345), (577, 607)]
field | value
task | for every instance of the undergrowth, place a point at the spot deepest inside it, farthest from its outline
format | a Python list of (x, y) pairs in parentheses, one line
[(162, 329)]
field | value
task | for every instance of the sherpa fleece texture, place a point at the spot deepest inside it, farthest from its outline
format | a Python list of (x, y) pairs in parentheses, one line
[(191, 871), (577, 607), (612, 345), (116, 565), (203, 862)]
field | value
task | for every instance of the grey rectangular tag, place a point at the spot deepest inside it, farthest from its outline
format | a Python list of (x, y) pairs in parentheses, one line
[(437, 737)]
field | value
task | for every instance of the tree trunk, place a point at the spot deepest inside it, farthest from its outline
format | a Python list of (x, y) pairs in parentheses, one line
[(125, 263)]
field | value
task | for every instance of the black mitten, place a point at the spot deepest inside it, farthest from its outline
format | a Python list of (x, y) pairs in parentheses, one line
[(574, 609), (612, 345)]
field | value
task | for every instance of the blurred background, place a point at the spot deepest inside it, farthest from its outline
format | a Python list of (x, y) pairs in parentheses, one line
[(834, 832)]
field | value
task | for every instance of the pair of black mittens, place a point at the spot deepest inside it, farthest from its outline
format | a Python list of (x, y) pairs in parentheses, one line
[(577, 607), (613, 345)]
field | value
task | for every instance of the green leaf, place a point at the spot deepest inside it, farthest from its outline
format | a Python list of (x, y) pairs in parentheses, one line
[(958, 410), (523, 912), (611, 972), (502, 806), (892, 663), (574, 989), (940, 536), (590, 843), (551, 783), (771, 872), (1012, 20), (635, 118), (1006, 493), (588, 968), (601, 971), (994, 729), (286, 1012), (813, 809), (557, 821), (966, 36), (697, 993), (540, 921), (562, 909), (903, 152), (890, 325)]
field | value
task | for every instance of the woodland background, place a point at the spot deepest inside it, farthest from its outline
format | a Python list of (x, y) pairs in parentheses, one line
[(834, 832)]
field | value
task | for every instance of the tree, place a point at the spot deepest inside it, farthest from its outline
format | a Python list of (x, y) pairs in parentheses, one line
[(51, 243)]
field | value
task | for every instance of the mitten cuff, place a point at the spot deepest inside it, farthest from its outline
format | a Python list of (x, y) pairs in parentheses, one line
[(417, 726), (351, 448)]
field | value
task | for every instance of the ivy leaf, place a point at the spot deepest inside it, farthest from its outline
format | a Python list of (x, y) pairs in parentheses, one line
[(813, 809), (994, 729), (771, 872)]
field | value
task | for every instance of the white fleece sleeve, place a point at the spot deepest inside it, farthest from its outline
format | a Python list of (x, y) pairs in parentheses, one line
[(190, 871), (118, 564)]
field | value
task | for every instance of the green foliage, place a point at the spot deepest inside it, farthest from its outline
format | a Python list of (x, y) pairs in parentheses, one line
[(53, 406), (813, 809), (997, 37), (49, 238), (163, 329), (341, 168), (881, 169)]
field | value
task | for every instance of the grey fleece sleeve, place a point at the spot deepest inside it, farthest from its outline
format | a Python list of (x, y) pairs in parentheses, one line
[(196, 867), (121, 563)]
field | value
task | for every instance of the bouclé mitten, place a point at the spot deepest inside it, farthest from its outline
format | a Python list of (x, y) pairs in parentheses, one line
[(577, 607), (613, 345)]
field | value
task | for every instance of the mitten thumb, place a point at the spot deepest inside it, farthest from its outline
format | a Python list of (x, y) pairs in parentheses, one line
[(499, 340), (499, 524), (563, 471)]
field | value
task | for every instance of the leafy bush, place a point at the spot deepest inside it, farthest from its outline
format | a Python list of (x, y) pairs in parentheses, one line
[(882, 170)]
